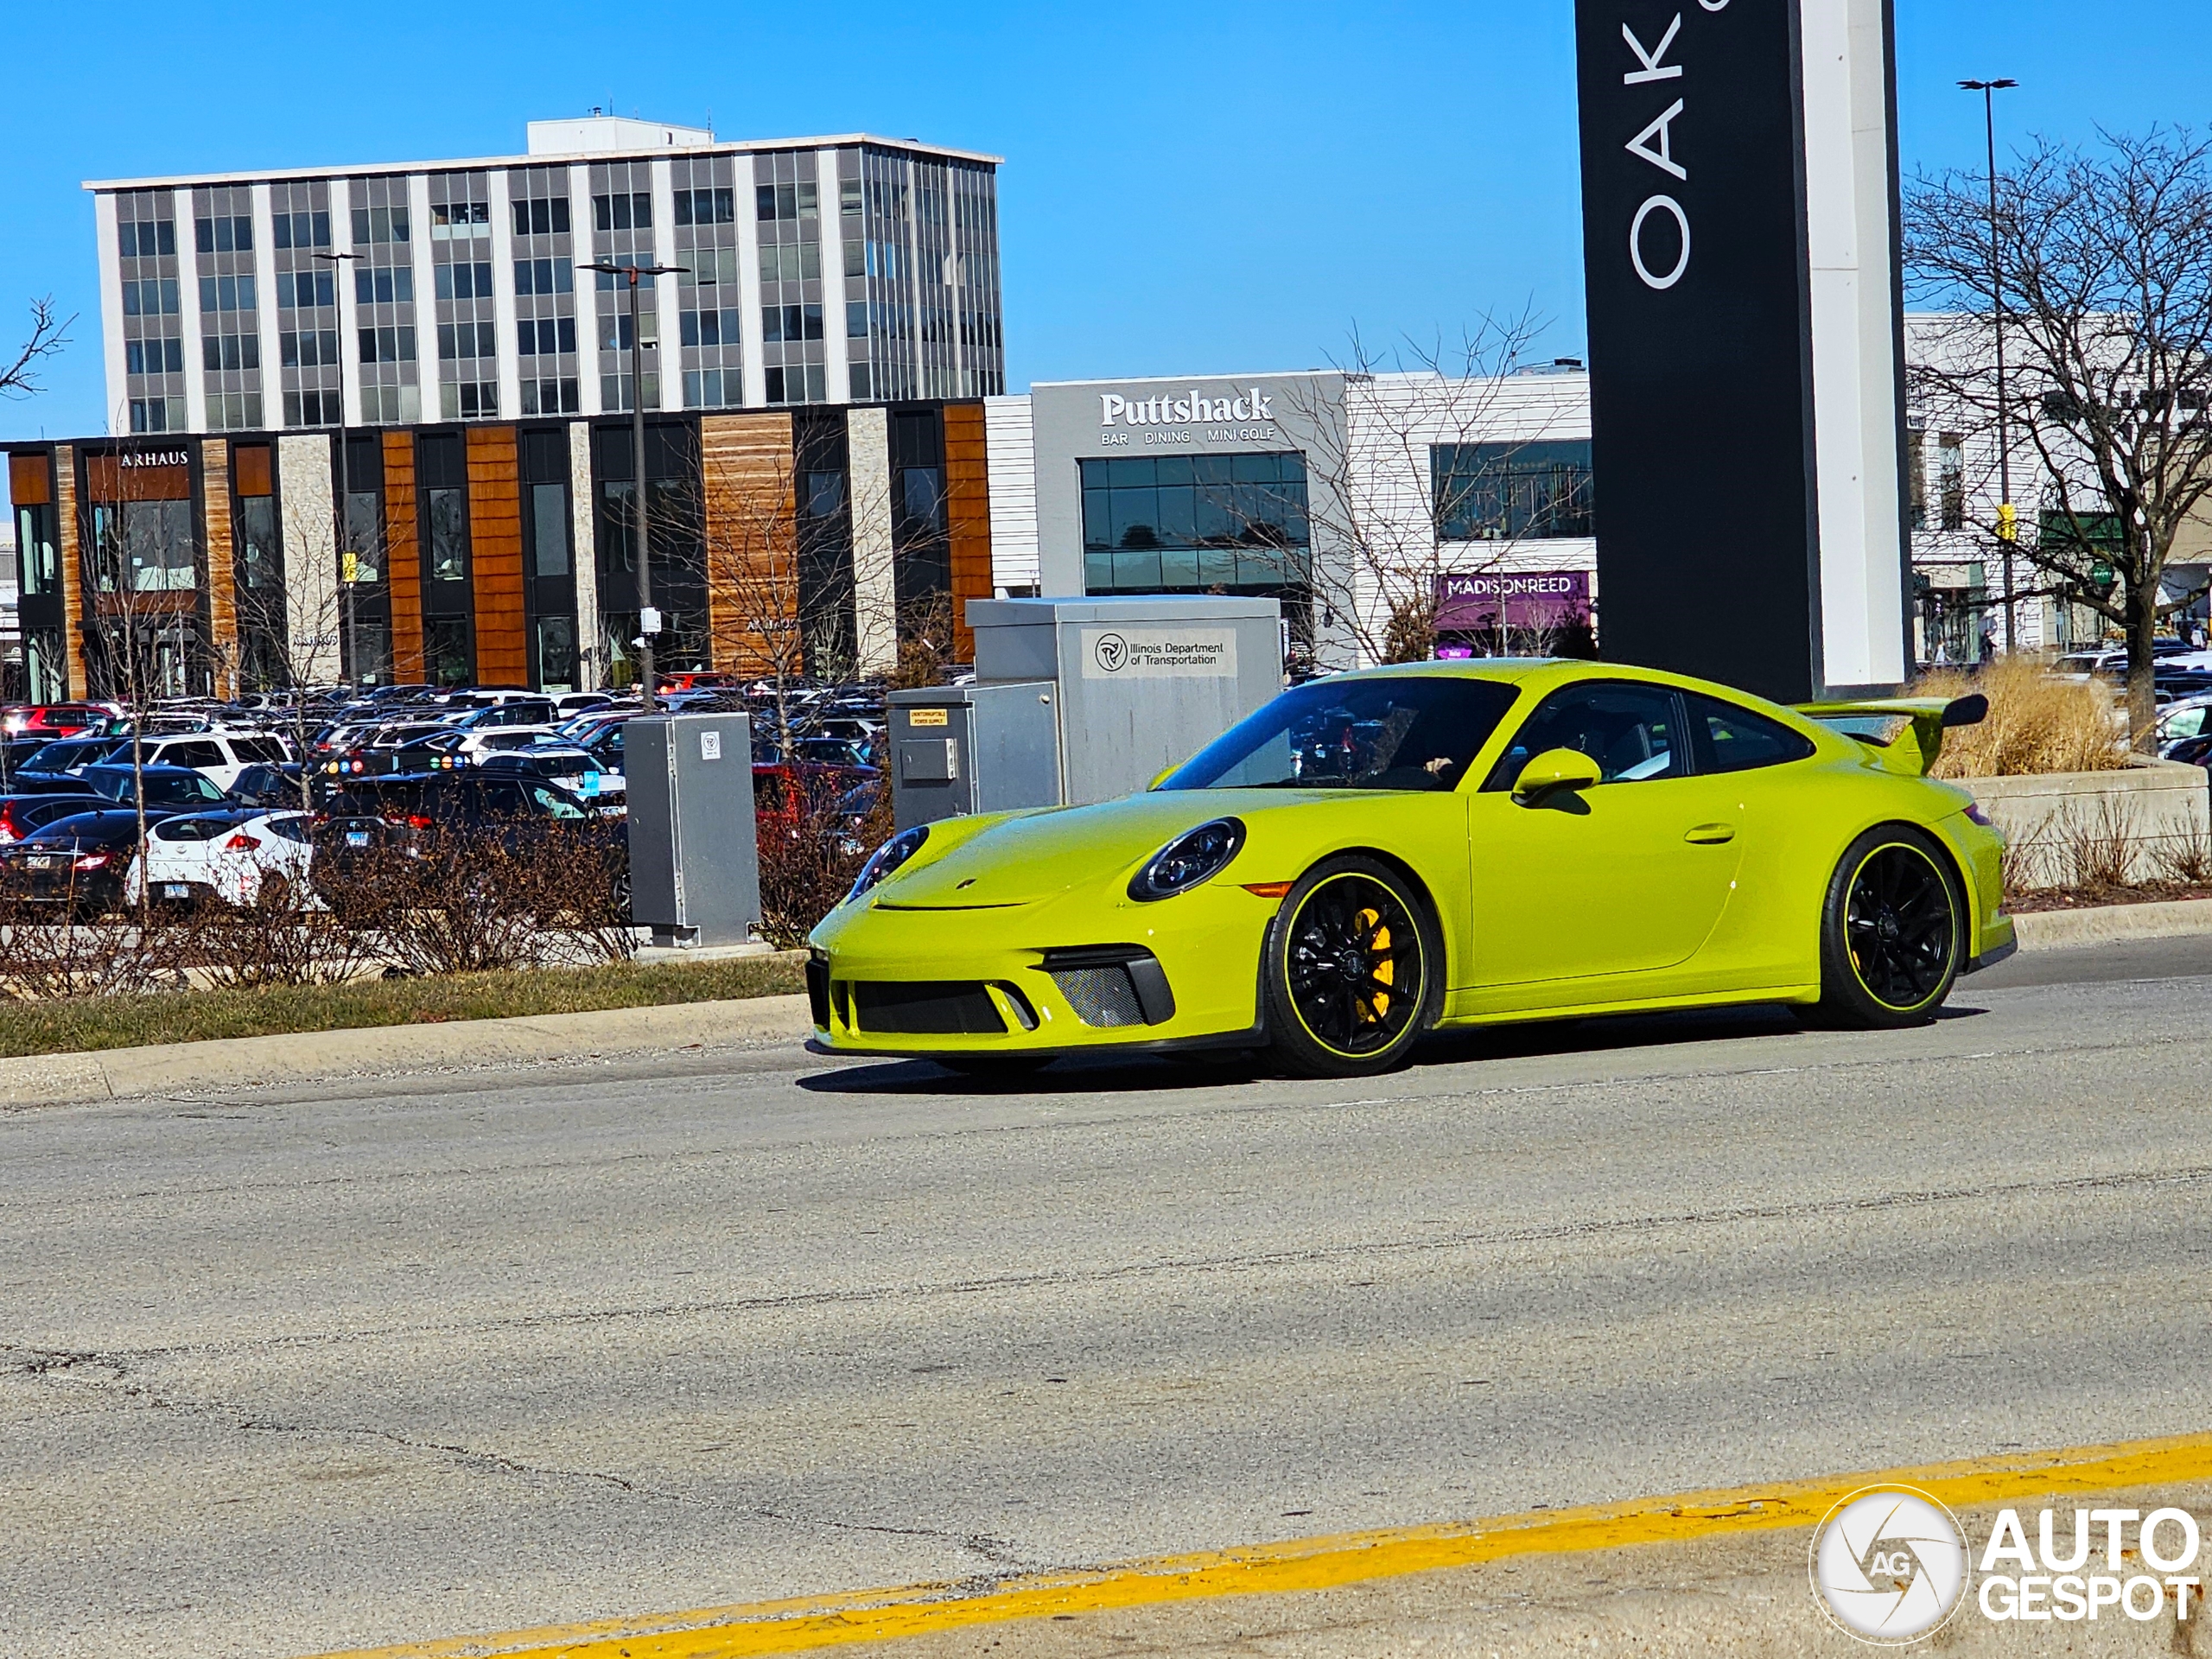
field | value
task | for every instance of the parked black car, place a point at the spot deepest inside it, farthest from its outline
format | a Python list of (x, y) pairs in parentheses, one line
[(268, 785), (21, 815), (80, 864), (178, 789)]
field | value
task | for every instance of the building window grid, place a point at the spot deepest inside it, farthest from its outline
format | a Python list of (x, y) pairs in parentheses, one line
[(153, 297), (307, 303), (544, 251), (709, 212), (620, 243), (230, 336), (384, 347), (466, 326), (884, 281), (787, 221)]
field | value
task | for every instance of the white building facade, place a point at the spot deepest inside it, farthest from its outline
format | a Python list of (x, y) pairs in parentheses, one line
[(812, 270)]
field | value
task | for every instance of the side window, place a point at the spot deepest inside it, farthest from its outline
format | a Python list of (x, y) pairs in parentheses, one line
[(555, 804), (502, 800), (199, 752), (1730, 739), (264, 750), (1629, 730)]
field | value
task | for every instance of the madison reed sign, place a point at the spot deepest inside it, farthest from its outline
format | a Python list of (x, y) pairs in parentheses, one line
[(1541, 599)]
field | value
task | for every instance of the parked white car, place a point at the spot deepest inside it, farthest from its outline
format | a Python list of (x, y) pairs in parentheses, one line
[(217, 756), (238, 856)]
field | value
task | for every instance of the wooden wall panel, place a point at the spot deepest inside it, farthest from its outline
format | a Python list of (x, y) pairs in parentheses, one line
[(69, 536), (222, 578), (402, 557), (495, 555), (752, 531), (968, 517)]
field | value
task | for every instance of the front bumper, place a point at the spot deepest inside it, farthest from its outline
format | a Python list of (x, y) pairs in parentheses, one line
[(1072, 974)]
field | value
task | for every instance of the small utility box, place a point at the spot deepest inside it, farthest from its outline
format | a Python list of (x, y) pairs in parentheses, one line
[(695, 858), (957, 749), (1144, 683)]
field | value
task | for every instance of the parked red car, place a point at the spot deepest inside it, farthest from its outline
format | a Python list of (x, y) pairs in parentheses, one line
[(51, 719)]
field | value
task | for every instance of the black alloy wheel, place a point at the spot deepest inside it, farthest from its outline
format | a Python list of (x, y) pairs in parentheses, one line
[(1352, 964), (1891, 937)]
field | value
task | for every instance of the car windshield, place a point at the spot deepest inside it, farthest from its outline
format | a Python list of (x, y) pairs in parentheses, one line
[(1390, 732)]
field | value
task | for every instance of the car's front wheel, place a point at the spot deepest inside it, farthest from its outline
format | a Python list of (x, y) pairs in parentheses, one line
[(1892, 932), (1352, 971)]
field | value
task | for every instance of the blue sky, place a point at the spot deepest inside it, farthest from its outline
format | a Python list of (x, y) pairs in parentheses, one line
[(1188, 188)]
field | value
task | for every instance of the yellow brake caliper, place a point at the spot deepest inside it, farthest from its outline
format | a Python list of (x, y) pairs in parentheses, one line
[(1376, 1008)]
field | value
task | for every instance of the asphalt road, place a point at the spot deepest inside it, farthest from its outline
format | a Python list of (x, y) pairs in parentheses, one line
[(333, 1367)]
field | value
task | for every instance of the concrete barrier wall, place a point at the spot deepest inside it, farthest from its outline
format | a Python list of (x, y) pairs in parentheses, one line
[(2150, 817)]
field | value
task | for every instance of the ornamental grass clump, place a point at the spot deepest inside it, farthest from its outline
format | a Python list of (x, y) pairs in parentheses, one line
[(2038, 722)]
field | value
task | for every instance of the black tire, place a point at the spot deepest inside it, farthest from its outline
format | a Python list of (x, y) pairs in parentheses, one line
[(1339, 956), (1892, 932)]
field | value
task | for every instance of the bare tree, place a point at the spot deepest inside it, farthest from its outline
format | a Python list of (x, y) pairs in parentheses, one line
[(2099, 269), (1371, 487), (49, 334)]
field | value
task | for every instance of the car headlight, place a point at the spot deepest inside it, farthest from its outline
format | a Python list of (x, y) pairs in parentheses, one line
[(888, 857), (1188, 860)]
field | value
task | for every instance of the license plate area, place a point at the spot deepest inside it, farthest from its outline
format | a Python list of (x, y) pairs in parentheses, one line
[(357, 837)]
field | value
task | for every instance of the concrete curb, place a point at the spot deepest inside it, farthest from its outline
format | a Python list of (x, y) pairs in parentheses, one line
[(368, 1051), (2046, 930)]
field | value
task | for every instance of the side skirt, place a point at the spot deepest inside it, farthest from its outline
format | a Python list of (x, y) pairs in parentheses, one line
[(1644, 1005)]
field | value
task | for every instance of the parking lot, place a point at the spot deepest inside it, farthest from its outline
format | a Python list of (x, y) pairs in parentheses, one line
[(338, 1365)]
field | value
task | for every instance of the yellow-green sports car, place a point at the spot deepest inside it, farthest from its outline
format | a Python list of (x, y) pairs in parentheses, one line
[(1374, 855)]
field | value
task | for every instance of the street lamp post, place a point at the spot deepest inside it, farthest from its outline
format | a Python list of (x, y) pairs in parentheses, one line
[(648, 620), (346, 571), (2007, 519)]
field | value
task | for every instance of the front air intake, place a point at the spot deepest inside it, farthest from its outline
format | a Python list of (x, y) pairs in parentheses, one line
[(1112, 984)]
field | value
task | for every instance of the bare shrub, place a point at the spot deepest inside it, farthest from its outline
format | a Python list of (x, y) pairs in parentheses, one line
[(2186, 858), (2037, 723), (46, 953), (286, 938), (457, 902), (809, 858), (2023, 859), (2099, 848)]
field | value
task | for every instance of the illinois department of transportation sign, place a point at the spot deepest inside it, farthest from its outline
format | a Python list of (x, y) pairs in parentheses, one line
[(1146, 653)]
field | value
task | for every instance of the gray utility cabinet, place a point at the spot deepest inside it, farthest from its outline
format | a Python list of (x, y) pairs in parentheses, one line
[(1144, 682), (695, 859), (957, 749)]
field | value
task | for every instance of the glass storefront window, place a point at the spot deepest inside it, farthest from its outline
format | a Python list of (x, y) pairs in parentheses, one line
[(1161, 524)]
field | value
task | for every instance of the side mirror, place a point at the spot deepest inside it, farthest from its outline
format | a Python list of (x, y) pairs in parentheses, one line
[(1163, 777), (1553, 771)]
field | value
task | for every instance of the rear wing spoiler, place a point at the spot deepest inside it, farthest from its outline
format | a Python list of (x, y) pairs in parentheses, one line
[(1906, 733)]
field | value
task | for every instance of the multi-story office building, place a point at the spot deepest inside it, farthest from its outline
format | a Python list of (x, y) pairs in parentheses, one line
[(375, 422), (819, 271)]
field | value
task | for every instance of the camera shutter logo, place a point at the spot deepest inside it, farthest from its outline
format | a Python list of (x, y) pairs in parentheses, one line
[(1112, 651), (1889, 1563)]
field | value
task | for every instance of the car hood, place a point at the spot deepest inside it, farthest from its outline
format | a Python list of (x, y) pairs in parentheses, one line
[(1033, 856)]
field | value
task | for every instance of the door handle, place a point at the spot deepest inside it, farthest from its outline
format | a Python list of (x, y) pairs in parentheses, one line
[(1710, 834)]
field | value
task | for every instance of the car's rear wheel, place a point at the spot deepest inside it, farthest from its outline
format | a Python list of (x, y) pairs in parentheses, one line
[(1892, 932), (1352, 970)]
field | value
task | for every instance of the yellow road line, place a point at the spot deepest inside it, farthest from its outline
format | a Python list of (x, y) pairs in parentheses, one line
[(805, 1623)]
